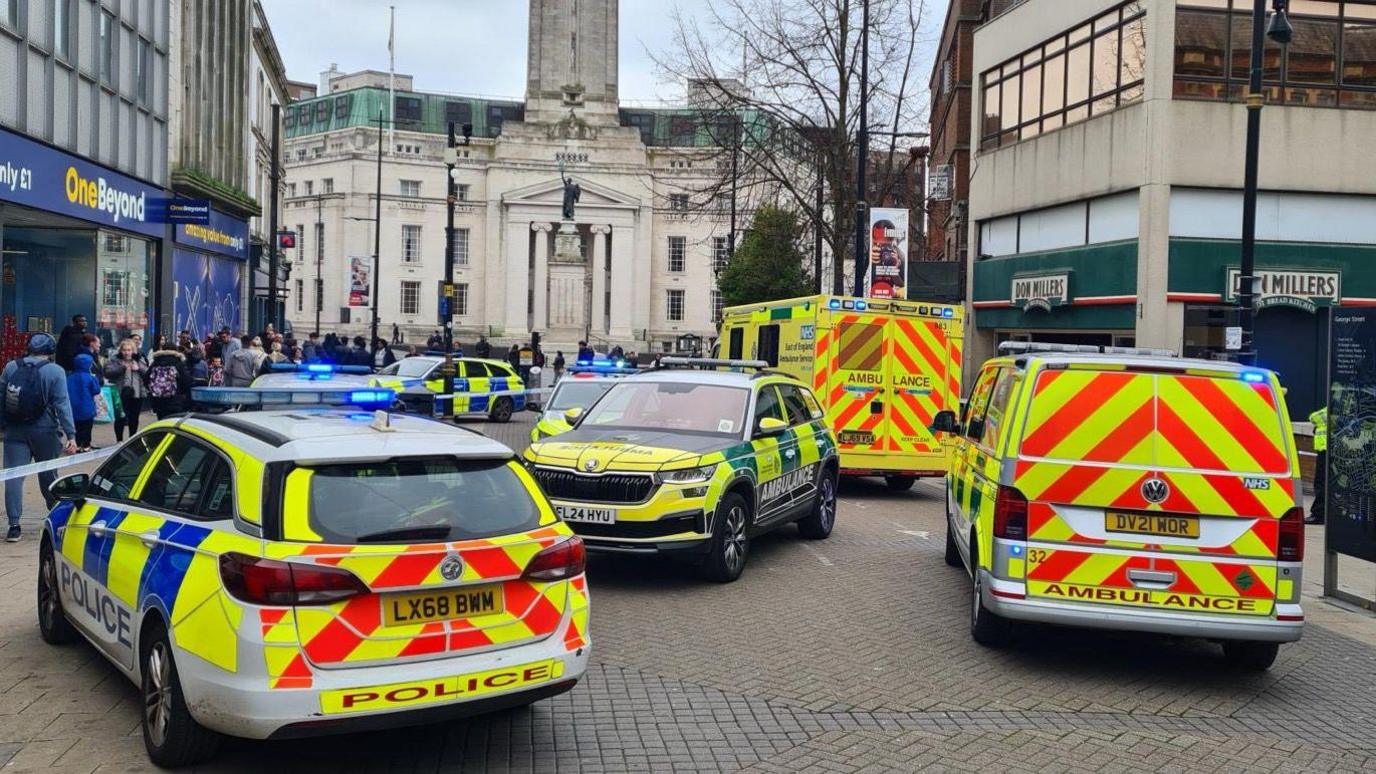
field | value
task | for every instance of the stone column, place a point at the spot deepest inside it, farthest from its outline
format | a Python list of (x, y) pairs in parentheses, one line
[(517, 267), (598, 266), (541, 280), (623, 287)]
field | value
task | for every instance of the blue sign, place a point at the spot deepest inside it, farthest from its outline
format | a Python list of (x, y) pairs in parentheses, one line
[(178, 210), (35, 175), (223, 234), (205, 291)]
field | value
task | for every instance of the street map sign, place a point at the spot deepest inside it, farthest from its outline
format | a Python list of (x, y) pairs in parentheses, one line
[(1351, 516)]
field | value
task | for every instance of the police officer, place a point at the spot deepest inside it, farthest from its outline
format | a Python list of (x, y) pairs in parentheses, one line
[(36, 415), (1318, 510)]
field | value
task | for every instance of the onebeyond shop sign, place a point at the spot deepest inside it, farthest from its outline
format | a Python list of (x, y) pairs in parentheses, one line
[(1301, 288), (35, 175)]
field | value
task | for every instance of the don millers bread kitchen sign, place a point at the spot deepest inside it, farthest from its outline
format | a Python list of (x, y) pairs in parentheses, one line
[(1042, 292), (1301, 288)]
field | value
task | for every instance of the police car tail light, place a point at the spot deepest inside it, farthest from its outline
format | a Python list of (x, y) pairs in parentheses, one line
[(269, 582), (1290, 547), (1010, 514), (558, 562)]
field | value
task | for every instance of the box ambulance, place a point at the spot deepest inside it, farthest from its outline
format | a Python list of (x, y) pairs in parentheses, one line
[(882, 369)]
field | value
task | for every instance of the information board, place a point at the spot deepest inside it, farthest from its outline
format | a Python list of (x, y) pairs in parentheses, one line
[(1351, 516)]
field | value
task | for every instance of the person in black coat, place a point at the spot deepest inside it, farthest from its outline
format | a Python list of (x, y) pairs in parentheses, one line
[(382, 355), (167, 370), (69, 343)]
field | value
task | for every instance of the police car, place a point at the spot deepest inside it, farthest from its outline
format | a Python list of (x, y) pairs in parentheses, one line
[(693, 463), (484, 387), (584, 383), (283, 573)]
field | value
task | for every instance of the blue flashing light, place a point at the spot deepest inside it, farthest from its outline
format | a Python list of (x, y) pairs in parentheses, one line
[(1254, 377), (835, 303), (860, 306), (584, 363), (319, 368), (1015, 550), (371, 397), (948, 313)]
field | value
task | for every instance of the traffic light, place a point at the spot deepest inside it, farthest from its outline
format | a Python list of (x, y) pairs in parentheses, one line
[(286, 240)]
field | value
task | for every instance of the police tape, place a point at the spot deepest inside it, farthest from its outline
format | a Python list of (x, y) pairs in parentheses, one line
[(56, 463), (497, 394)]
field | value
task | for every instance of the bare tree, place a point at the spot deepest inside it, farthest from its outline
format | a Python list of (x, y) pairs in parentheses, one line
[(776, 84)]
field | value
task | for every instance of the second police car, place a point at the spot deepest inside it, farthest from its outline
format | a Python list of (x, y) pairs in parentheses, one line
[(482, 387), (274, 574), (693, 463), (584, 383)]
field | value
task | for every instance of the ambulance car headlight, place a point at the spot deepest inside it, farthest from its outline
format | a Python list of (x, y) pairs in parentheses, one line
[(688, 475)]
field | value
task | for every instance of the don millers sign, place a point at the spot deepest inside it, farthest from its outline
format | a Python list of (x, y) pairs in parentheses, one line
[(1301, 288), (1041, 291)]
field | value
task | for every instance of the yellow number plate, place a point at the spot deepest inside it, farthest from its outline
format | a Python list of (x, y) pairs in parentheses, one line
[(426, 606), (1160, 525)]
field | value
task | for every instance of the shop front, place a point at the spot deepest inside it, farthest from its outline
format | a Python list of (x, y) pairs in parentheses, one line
[(208, 264), (75, 238)]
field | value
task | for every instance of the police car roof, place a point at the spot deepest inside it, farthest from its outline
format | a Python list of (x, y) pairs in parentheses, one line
[(320, 436)]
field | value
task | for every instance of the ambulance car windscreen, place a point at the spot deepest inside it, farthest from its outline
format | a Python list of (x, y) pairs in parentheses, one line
[(685, 408), (573, 394), (416, 500)]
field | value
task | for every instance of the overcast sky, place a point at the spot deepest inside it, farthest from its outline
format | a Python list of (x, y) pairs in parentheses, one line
[(466, 46)]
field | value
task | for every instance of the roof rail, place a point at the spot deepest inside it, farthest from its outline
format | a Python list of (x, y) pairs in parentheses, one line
[(711, 362), (1030, 347)]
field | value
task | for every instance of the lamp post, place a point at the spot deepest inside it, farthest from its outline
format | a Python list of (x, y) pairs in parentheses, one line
[(451, 158), (1280, 31), (863, 141), (319, 259), (377, 238)]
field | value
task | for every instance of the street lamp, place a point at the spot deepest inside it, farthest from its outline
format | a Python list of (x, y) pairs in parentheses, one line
[(863, 140), (451, 158), (1280, 31)]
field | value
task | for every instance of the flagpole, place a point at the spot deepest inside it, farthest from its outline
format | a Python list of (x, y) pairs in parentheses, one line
[(392, 78)]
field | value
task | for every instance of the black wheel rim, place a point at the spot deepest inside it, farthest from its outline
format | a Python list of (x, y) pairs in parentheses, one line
[(733, 541), (826, 511), (48, 603)]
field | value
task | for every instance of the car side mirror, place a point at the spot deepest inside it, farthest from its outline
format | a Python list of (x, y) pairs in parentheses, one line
[(945, 422), (70, 488), (573, 415), (770, 426), (975, 430)]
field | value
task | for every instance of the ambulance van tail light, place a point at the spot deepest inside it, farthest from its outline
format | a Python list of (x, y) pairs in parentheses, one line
[(269, 582), (1290, 548), (1010, 514), (558, 562)]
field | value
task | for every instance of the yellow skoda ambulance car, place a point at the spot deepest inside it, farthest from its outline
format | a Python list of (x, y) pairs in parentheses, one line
[(881, 368), (1121, 489)]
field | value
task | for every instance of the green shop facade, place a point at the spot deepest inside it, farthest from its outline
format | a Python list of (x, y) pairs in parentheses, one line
[(1089, 295)]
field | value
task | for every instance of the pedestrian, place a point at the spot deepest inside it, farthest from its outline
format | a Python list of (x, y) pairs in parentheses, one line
[(82, 389), (169, 383), (412, 351), (382, 356), (228, 343), (161, 343), (245, 363), (617, 353), (513, 356), (310, 351), (585, 353), (558, 365), (196, 365), (91, 346), (184, 341), (127, 370), (396, 334), (69, 342), (1319, 509), (358, 354), (36, 417), (277, 353), (214, 372), (483, 348)]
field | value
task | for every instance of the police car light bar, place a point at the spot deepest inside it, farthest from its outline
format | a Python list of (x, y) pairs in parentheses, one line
[(710, 362), (261, 397), (320, 370), (1026, 347)]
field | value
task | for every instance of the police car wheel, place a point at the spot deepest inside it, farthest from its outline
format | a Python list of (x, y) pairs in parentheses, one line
[(172, 737), (986, 628), (53, 625), (501, 410), (900, 483), (730, 544), (817, 525), (1251, 656)]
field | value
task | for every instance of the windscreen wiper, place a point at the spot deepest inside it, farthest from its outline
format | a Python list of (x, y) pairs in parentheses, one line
[(433, 532)]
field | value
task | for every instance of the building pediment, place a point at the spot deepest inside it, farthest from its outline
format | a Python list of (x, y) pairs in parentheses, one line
[(550, 193)]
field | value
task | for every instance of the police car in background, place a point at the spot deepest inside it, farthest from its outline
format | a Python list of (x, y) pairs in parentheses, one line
[(277, 573), (693, 463), (584, 383), (483, 387)]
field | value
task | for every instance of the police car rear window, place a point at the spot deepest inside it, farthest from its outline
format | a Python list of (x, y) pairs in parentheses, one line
[(418, 500)]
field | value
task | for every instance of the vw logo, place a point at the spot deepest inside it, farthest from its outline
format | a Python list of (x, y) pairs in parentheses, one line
[(1155, 491), (452, 567), (590, 465)]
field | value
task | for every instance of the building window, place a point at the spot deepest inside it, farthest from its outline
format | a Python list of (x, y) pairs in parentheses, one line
[(1089, 70), (721, 253), (716, 306), (410, 244), (300, 242), (62, 28), (460, 299), (408, 112), (410, 298), (678, 251), (410, 188), (678, 202), (108, 28), (310, 187), (319, 242), (9, 13), (291, 190), (1213, 54), (460, 247), (327, 185), (461, 192), (143, 71), (675, 306), (300, 295)]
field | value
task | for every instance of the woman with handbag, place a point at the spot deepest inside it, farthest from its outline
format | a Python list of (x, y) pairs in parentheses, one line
[(127, 370)]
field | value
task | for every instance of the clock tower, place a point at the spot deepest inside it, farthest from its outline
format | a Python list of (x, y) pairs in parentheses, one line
[(572, 61)]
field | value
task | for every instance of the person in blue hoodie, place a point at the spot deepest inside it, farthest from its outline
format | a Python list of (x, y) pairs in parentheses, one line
[(82, 389)]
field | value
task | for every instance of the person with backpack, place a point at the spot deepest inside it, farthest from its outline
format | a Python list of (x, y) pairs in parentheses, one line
[(127, 371), (82, 389), (36, 418), (246, 363), (169, 383)]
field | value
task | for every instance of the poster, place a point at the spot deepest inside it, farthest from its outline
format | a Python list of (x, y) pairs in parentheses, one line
[(360, 280), (1351, 513), (206, 292), (888, 272)]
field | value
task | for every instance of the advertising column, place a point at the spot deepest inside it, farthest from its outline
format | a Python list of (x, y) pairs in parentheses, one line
[(208, 265)]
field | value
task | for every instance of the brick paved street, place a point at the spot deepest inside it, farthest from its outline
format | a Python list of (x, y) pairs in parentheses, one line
[(845, 655)]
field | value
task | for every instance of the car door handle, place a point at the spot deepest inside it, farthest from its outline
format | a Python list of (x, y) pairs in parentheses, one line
[(150, 538), (99, 529), (1152, 578)]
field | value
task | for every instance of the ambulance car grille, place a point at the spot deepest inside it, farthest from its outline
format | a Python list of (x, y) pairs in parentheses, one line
[(607, 488)]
